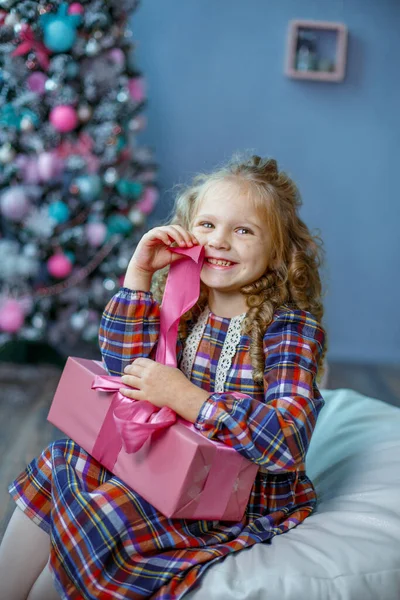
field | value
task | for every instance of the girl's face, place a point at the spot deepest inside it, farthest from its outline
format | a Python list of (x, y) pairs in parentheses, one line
[(235, 238)]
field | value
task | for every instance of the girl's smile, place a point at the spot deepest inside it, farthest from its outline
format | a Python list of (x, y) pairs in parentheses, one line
[(218, 263), (236, 242)]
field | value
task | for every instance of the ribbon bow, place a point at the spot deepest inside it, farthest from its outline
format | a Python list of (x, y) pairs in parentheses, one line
[(128, 423), (29, 43)]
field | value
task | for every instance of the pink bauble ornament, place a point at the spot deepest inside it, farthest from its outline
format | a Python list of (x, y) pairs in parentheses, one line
[(49, 166), (63, 118), (148, 201), (11, 316), (59, 266), (37, 82), (14, 203), (117, 56), (96, 233), (137, 89), (76, 9)]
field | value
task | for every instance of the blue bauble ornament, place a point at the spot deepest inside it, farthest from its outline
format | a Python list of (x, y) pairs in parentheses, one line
[(60, 29), (129, 189), (59, 37), (90, 187), (70, 255), (118, 224), (71, 70), (59, 211)]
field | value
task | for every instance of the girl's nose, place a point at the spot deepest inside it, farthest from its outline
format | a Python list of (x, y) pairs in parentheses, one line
[(219, 240)]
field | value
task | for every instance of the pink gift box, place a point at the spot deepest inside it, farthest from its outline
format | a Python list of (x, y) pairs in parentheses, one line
[(178, 470)]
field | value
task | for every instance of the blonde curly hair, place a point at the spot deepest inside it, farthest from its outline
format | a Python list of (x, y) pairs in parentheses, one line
[(292, 279)]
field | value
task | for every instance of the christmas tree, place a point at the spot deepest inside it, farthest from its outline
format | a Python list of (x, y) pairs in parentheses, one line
[(75, 185)]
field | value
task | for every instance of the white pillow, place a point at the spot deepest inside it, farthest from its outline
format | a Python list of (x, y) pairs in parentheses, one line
[(349, 549)]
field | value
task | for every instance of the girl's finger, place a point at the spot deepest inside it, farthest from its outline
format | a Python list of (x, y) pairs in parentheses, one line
[(133, 369), (189, 236), (130, 393), (162, 236), (131, 380), (183, 235), (177, 235)]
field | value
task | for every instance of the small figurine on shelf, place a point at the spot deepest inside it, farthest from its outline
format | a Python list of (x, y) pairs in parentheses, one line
[(306, 52), (326, 65)]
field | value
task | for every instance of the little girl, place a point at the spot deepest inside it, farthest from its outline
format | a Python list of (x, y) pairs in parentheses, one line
[(255, 330)]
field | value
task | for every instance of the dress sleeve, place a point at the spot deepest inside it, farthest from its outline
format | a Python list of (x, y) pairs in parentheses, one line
[(129, 329), (275, 433)]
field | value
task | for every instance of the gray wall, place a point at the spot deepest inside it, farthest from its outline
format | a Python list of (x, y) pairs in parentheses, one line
[(214, 70)]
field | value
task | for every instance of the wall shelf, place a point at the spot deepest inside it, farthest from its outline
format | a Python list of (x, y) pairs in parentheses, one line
[(323, 50)]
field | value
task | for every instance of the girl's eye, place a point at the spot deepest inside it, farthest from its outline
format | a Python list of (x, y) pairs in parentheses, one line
[(206, 224), (244, 230)]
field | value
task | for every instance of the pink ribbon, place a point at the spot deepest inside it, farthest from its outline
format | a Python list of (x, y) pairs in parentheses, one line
[(129, 423), (29, 43)]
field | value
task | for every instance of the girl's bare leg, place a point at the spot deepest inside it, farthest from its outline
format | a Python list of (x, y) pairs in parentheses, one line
[(44, 588), (24, 552)]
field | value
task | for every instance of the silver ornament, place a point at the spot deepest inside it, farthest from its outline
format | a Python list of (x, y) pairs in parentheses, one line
[(26, 124), (51, 85), (109, 284), (78, 320), (110, 176), (128, 35), (122, 96), (84, 112), (92, 47), (7, 153), (136, 217), (38, 321), (122, 262)]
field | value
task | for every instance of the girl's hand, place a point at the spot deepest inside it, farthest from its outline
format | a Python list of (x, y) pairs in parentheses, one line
[(163, 386), (153, 252)]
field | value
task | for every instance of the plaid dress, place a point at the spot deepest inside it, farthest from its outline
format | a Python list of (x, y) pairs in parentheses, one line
[(107, 541)]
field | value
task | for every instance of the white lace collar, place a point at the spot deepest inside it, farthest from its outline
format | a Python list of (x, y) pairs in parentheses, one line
[(228, 351)]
